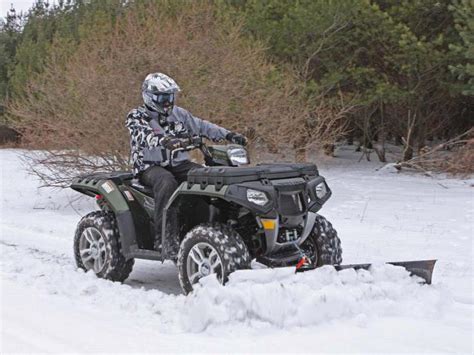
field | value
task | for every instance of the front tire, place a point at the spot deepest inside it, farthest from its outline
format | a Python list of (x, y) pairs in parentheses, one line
[(323, 245), (97, 247), (210, 248)]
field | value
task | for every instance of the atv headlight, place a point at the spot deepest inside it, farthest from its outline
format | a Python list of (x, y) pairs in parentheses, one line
[(258, 197), (237, 156), (321, 190)]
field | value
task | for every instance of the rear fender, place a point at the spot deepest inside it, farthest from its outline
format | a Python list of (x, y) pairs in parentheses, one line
[(117, 203)]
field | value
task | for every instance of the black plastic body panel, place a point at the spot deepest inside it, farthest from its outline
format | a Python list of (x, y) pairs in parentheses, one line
[(118, 177), (220, 176), (276, 191), (302, 168), (141, 219), (126, 229), (238, 194)]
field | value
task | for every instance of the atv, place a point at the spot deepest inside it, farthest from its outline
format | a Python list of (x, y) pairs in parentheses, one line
[(229, 213)]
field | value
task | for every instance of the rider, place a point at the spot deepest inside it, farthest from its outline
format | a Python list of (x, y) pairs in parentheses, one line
[(156, 128)]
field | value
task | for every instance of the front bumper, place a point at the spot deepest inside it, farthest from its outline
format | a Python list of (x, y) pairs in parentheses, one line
[(291, 209), (273, 244)]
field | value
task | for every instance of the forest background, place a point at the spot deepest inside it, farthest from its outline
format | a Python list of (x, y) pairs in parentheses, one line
[(302, 75)]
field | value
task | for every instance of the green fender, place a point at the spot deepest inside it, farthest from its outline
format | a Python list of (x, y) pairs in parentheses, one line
[(116, 201)]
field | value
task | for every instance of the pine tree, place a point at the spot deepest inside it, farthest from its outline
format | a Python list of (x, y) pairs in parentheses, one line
[(10, 31), (463, 11)]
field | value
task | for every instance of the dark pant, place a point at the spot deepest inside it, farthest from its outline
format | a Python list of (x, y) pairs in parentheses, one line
[(164, 182)]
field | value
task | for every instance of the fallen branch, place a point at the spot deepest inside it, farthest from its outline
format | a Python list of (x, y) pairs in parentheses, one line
[(460, 161)]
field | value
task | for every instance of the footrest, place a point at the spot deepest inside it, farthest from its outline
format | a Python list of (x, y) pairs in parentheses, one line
[(146, 254)]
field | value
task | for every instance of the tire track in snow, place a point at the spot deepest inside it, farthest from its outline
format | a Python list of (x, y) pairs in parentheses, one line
[(146, 275), (40, 254)]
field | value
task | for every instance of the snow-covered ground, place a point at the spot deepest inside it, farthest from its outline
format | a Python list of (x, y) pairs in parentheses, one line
[(47, 305)]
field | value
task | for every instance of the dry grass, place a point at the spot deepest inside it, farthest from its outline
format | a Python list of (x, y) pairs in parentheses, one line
[(462, 161)]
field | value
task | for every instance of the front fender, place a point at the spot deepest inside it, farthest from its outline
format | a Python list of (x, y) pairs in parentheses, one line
[(186, 190)]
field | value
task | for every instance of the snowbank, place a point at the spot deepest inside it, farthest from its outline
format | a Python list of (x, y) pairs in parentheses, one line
[(255, 298), (282, 299)]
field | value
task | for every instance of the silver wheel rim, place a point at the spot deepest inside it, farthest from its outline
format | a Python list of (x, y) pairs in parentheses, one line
[(92, 249), (203, 260)]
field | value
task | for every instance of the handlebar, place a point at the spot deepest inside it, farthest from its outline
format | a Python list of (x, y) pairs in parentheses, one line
[(195, 142), (192, 142)]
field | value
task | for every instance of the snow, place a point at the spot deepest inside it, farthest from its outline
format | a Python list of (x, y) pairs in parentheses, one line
[(47, 305)]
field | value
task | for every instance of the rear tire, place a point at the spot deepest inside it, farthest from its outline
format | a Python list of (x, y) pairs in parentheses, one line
[(323, 245), (210, 248), (97, 247)]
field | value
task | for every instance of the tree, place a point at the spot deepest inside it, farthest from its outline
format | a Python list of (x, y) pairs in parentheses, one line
[(10, 31), (390, 59), (463, 12)]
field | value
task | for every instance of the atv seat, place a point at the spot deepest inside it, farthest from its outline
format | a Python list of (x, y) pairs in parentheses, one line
[(147, 190)]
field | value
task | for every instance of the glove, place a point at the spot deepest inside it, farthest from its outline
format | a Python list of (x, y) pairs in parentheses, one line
[(171, 143), (236, 138)]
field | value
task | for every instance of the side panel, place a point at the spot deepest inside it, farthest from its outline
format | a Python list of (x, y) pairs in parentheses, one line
[(184, 189), (141, 207), (127, 231)]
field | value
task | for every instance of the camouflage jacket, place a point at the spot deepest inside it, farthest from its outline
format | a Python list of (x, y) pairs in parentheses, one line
[(145, 134)]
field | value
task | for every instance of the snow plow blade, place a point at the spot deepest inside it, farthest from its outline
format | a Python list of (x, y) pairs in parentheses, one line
[(420, 268)]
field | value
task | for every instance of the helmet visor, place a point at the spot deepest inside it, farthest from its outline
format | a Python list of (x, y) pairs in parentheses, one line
[(163, 99)]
